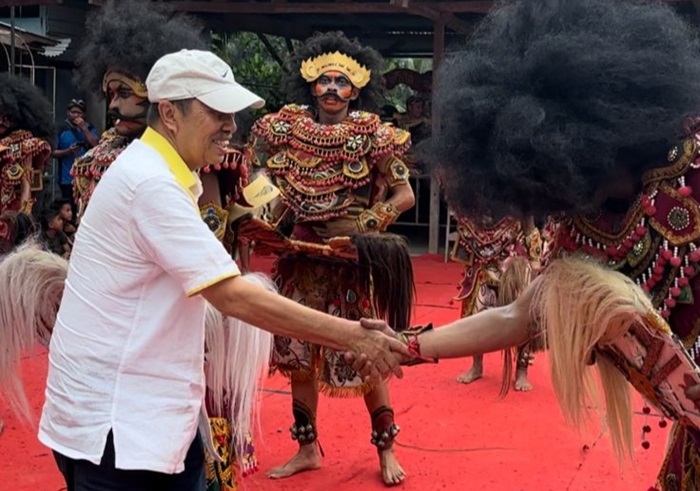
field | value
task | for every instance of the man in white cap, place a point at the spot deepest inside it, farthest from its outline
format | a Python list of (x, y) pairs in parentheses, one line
[(126, 385)]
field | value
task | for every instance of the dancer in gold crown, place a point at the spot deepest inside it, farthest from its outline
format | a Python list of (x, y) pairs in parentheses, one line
[(342, 183)]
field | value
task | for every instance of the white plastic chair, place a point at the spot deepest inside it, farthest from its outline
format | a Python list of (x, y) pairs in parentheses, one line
[(450, 236)]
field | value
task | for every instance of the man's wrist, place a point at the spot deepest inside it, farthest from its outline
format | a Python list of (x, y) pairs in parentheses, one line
[(355, 334), (345, 334)]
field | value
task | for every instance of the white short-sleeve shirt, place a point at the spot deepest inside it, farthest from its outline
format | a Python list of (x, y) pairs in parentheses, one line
[(127, 351)]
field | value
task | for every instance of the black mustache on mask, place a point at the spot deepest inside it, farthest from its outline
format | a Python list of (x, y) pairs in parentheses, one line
[(334, 94), (114, 114)]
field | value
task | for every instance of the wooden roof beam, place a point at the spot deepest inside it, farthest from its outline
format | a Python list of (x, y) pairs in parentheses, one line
[(463, 7), (328, 7), (275, 7), (256, 23), (24, 3), (445, 18)]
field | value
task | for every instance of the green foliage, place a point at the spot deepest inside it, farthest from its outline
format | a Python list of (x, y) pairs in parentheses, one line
[(256, 68), (253, 64), (397, 96)]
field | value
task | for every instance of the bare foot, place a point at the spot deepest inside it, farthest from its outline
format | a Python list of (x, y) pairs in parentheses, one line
[(474, 373), (308, 458), (392, 473), (522, 384)]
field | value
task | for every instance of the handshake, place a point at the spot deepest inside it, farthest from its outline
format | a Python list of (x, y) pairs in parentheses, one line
[(379, 351)]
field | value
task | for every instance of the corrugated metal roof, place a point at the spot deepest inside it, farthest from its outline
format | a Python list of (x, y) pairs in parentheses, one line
[(27, 39)]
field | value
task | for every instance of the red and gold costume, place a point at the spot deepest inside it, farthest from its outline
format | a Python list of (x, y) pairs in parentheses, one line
[(341, 182), (549, 112), (26, 127), (484, 251), (23, 158), (655, 243), (232, 176), (88, 169), (333, 180)]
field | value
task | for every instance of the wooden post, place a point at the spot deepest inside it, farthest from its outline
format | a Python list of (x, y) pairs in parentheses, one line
[(12, 40), (434, 227)]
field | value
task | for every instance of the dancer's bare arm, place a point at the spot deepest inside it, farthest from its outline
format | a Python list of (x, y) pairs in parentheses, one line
[(487, 331), (238, 298), (402, 197), (492, 330)]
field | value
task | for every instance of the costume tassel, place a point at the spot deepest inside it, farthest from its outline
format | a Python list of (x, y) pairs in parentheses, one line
[(345, 392)]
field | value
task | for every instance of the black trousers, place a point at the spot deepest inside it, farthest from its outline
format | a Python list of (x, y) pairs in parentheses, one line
[(81, 475)]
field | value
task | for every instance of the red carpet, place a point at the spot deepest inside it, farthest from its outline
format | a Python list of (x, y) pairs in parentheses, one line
[(453, 437)]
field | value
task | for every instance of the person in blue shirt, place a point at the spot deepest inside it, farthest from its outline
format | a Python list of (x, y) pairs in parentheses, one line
[(75, 137)]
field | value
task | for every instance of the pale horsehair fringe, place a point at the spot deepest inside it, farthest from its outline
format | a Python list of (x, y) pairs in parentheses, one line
[(583, 305), (238, 358), (31, 287)]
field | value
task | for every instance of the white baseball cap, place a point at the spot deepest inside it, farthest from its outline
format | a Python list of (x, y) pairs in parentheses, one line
[(201, 75)]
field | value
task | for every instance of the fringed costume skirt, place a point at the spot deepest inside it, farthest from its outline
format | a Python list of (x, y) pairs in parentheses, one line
[(332, 286)]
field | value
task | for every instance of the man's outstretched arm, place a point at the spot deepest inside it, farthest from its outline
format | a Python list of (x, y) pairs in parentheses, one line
[(255, 305)]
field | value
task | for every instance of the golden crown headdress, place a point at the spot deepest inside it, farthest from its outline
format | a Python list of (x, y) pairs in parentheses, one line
[(136, 85), (313, 68)]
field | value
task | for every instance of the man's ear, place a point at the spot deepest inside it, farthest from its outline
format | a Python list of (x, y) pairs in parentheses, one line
[(168, 115), (355, 94)]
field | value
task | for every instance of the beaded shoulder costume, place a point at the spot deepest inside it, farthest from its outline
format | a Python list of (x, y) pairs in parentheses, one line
[(326, 172), (23, 158)]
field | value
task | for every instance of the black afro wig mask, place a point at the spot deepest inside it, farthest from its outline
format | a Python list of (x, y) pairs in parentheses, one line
[(551, 97), (129, 36), (26, 107)]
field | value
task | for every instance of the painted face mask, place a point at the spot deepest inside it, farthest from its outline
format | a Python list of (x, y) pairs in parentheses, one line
[(128, 103), (333, 91)]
